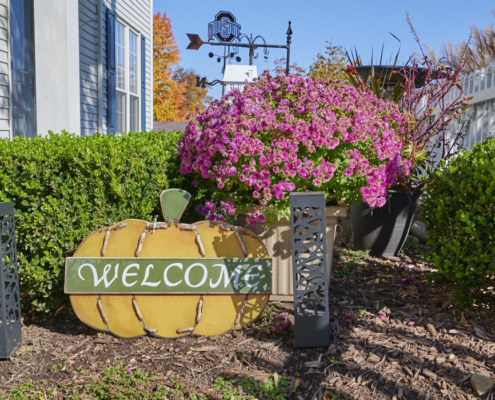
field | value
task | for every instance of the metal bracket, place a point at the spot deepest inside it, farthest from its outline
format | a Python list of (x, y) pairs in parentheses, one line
[(201, 82)]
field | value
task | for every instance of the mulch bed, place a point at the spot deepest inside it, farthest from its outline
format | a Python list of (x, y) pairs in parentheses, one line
[(425, 348)]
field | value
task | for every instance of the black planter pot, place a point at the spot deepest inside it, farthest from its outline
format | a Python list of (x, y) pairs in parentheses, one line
[(383, 230)]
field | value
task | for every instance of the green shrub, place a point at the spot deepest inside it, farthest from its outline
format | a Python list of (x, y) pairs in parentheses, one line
[(459, 213), (65, 187)]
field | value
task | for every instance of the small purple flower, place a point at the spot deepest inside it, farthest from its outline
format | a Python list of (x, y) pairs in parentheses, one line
[(199, 209), (129, 372), (266, 182), (348, 172), (210, 206)]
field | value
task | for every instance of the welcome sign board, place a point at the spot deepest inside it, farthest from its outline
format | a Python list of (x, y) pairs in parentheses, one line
[(168, 278), (106, 275)]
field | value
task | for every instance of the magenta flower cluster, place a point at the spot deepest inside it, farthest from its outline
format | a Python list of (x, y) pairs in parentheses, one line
[(383, 314), (289, 133), (348, 318), (216, 212), (281, 322)]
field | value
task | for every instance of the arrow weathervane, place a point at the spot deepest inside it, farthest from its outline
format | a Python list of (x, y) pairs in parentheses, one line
[(196, 41)]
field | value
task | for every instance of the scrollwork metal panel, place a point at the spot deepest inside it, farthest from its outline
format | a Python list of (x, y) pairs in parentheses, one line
[(309, 261), (10, 308)]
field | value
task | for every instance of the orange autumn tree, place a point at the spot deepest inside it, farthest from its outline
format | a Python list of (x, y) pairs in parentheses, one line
[(195, 98), (168, 94)]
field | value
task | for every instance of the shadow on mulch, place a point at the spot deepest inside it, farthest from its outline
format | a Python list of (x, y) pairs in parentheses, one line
[(427, 347)]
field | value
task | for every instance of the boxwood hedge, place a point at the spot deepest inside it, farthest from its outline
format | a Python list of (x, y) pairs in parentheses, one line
[(460, 216), (64, 187)]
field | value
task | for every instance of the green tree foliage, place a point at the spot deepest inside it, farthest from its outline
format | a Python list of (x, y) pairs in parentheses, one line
[(331, 65)]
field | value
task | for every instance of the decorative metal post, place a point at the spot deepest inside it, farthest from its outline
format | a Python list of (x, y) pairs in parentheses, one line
[(227, 32), (309, 264), (10, 308), (289, 40)]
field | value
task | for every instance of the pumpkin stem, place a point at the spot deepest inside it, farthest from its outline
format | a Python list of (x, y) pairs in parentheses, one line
[(173, 203)]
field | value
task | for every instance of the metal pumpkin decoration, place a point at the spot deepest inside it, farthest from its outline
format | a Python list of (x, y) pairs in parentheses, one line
[(168, 279)]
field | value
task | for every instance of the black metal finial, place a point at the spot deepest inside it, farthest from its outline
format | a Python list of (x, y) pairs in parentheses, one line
[(289, 40)]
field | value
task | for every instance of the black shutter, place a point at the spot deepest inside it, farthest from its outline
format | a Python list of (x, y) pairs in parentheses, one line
[(143, 83), (112, 83)]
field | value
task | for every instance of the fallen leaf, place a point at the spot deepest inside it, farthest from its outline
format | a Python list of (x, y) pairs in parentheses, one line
[(270, 344), (206, 348), (481, 333), (245, 341), (463, 319), (295, 385), (312, 364), (432, 329)]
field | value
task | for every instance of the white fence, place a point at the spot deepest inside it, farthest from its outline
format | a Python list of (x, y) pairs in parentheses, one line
[(481, 86)]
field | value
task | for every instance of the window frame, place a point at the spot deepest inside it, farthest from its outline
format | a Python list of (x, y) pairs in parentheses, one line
[(127, 91)]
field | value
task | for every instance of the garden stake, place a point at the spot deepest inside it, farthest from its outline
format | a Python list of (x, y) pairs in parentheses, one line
[(10, 308), (311, 275)]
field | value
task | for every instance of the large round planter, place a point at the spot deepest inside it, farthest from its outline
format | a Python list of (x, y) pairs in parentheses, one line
[(277, 239), (383, 230)]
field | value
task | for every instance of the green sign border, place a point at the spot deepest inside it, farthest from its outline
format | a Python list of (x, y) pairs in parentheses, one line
[(128, 275)]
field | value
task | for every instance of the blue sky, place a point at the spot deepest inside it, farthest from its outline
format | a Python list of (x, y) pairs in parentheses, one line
[(364, 24)]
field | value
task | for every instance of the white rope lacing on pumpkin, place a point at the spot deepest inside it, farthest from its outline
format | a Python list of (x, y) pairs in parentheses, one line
[(140, 243), (199, 309), (190, 227), (241, 311), (107, 236), (147, 329), (238, 236), (104, 318)]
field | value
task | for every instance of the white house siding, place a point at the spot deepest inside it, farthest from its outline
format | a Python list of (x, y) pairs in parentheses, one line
[(4, 71), (137, 14), (56, 49)]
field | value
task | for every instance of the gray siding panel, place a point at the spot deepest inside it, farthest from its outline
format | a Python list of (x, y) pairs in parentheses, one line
[(89, 109), (92, 94), (86, 100), (4, 72), (88, 64), (90, 69)]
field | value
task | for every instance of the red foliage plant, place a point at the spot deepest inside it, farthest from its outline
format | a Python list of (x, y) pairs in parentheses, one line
[(435, 129)]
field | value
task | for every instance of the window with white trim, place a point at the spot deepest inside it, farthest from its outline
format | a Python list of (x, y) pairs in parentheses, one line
[(127, 75)]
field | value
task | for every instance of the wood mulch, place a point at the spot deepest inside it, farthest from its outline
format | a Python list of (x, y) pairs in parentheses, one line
[(427, 347)]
